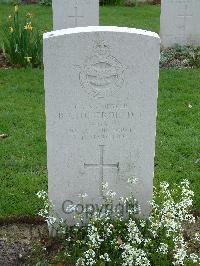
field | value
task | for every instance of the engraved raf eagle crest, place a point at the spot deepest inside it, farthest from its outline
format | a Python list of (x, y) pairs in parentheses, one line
[(101, 74)]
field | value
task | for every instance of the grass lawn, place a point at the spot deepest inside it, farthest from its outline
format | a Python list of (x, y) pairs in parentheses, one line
[(23, 154)]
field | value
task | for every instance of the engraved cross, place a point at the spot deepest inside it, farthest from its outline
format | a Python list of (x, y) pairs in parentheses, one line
[(101, 166), (185, 16), (76, 16)]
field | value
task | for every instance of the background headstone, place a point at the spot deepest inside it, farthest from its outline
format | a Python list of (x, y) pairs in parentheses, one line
[(101, 98), (75, 13), (180, 22)]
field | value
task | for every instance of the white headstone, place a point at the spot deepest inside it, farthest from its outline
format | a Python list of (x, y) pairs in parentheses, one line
[(101, 100), (180, 22), (75, 13)]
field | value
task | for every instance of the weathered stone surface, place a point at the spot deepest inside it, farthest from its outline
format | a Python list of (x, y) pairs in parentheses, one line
[(101, 98), (75, 13), (180, 20)]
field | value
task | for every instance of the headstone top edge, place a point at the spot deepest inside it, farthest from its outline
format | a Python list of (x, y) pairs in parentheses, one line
[(89, 29)]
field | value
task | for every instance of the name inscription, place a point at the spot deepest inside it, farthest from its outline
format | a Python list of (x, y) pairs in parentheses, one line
[(108, 123)]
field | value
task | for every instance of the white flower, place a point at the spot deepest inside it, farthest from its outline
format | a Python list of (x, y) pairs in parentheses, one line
[(70, 208), (42, 194), (89, 257), (51, 220), (197, 237), (105, 257), (134, 235), (134, 256), (180, 250), (167, 218), (80, 262), (163, 248), (132, 180), (124, 200), (94, 238), (164, 185), (108, 228), (84, 195), (194, 258), (147, 241), (142, 223), (108, 194), (105, 185)]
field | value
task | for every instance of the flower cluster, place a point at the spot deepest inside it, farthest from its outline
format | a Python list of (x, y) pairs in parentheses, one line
[(28, 26), (130, 241), (171, 215), (134, 256), (168, 217), (22, 42), (52, 219)]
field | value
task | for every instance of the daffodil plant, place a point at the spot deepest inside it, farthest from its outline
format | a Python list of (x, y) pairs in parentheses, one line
[(130, 241), (22, 42)]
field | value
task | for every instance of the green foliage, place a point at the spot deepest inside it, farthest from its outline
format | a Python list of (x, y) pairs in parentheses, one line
[(109, 238), (22, 42), (194, 57), (111, 2), (45, 2), (180, 57), (23, 170), (121, 2)]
